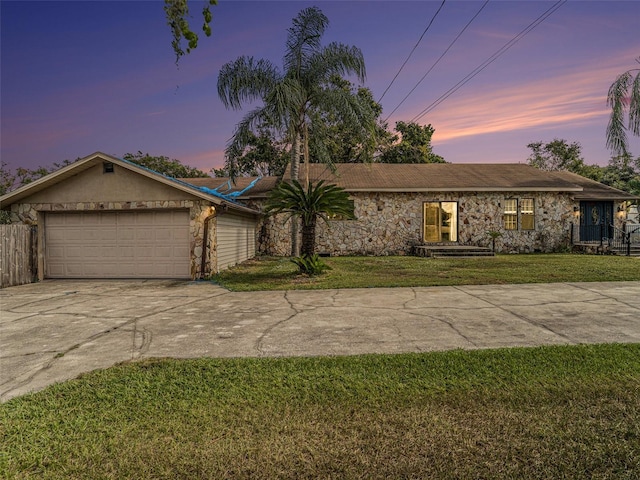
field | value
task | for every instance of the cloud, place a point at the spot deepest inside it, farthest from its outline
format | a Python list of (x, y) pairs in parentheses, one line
[(576, 98)]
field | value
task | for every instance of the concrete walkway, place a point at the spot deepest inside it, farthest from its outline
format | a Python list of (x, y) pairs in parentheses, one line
[(55, 330)]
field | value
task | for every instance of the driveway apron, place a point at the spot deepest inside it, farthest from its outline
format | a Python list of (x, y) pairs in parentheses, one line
[(56, 330)]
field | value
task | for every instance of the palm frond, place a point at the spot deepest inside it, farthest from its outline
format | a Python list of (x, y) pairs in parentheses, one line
[(616, 130), (243, 134), (283, 102), (634, 106), (351, 111), (303, 38), (246, 80), (308, 203), (340, 59)]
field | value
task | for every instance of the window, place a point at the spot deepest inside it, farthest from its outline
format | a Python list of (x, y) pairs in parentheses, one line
[(527, 214), (440, 222), (524, 208), (511, 214)]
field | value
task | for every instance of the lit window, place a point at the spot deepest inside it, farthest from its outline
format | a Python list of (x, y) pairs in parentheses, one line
[(527, 214), (511, 214)]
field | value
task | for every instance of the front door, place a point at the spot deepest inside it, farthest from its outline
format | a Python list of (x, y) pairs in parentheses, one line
[(440, 222), (595, 218)]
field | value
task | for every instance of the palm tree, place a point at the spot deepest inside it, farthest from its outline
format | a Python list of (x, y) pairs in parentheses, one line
[(309, 204), (294, 98), (624, 94), (494, 235)]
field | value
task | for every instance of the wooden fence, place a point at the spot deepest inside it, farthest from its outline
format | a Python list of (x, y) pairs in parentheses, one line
[(18, 255)]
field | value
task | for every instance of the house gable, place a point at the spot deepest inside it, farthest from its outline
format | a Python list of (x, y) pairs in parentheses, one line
[(95, 186), (131, 174)]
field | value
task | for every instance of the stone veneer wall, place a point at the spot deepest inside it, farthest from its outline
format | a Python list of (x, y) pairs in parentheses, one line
[(391, 224), (198, 210)]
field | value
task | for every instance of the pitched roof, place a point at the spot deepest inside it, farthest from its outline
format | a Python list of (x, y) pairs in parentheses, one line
[(592, 190), (245, 186), (455, 177), (99, 157)]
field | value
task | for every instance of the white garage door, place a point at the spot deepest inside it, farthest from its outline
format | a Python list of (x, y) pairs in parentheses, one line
[(236, 239), (149, 244)]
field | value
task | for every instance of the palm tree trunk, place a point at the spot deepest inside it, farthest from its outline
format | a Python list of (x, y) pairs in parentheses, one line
[(295, 167), (309, 237), (295, 158), (305, 153)]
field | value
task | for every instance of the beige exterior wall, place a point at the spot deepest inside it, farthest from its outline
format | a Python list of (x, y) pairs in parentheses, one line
[(94, 186), (392, 223)]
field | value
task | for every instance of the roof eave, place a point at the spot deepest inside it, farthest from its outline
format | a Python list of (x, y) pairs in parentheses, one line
[(619, 198), (465, 189), (86, 162), (43, 182)]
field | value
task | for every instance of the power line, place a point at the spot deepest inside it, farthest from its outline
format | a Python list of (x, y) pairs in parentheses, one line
[(438, 60), (413, 50), (490, 60)]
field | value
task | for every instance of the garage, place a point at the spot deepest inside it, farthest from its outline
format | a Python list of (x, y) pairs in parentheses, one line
[(104, 217), (236, 240), (131, 244)]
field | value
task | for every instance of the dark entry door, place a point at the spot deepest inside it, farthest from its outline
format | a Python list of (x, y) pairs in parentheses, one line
[(595, 220)]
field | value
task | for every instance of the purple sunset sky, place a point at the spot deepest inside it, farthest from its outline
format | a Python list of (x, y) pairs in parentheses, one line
[(85, 76)]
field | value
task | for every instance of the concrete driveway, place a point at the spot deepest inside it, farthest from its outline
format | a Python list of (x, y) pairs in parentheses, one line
[(55, 330)]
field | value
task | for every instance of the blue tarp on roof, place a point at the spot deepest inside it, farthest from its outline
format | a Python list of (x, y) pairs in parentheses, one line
[(231, 196)]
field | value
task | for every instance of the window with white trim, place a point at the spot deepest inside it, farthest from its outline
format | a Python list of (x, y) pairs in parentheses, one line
[(510, 214), (527, 214)]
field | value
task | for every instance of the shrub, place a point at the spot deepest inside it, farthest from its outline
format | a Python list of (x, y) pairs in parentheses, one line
[(310, 264)]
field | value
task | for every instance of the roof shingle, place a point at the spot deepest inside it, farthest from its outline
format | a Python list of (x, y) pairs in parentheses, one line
[(461, 177)]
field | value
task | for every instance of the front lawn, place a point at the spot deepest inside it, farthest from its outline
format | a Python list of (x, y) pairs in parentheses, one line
[(273, 273), (538, 413)]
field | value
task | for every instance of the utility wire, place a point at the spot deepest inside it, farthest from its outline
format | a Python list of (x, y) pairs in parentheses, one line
[(490, 60), (438, 60), (413, 50)]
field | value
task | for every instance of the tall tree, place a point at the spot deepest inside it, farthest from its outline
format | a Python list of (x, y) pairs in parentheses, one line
[(294, 98), (557, 155), (330, 138), (623, 173), (263, 155), (177, 15), (414, 145), (309, 204), (12, 179), (164, 165), (354, 142), (624, 100)]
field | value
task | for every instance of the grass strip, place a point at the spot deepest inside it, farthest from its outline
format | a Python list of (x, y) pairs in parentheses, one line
[(545, 412), (277, 273)]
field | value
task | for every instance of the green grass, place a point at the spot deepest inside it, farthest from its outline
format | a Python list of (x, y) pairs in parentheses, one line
[(547, 412), (271, 273)]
